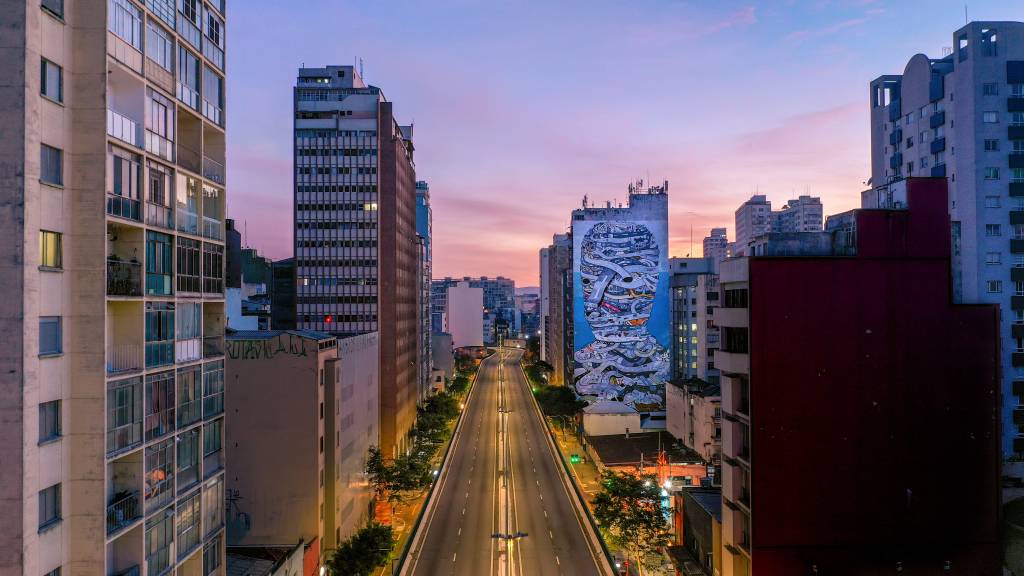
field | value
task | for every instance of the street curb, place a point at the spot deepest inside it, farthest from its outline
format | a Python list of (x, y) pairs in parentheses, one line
[(575, 495), (412, 543)]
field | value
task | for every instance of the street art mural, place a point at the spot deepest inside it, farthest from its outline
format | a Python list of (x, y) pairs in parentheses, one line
[(621, 309)]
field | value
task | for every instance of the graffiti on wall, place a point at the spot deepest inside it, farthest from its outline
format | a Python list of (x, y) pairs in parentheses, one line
[(265, 349), (619, 351)]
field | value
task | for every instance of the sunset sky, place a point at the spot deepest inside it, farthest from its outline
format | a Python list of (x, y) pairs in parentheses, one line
[(522, 108)]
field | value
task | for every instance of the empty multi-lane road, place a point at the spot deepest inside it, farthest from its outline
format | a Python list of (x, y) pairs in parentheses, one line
[(503, 478)]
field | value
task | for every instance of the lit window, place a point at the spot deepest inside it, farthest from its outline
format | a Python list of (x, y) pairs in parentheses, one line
[(50, 249)]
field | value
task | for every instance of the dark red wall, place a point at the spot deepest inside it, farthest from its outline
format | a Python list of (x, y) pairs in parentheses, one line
[(875, 410)]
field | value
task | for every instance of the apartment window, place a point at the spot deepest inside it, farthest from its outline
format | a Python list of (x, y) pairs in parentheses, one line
[(213, 268), (159, 541), (49, 506), (49, 421), (127, 171), (159, 478), (213, 95), (910, 141), (51, 165), (126, 22), (991, 173), (159, 46), (1018, 231), (213, 505), (55, 7), (50, 335), (992, 202), (992, 230), (190, 9), (735, 298), (211, 556), (188, 77), (159, 259), (735, 340), (990, 89), (51, 81), (1017, 119), (991, 145), (995, 286), (993, 258), (54, 572), (188, 459), (990, 117), (50, 249), (159, 334), (161, 115)]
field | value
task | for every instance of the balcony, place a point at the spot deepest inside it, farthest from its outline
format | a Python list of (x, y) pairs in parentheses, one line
[(158, 561), (160, 146), (190, 412), (1016, 189), (123, 358), (213, 463), (124, 207), (124, 128), (189, 159), (157, 215), (1017, 331), (213, 170), (732, 362), (159, 353), (895, 111), (895, 161), (213, 346), (213, 228), (1016, 217), (1015, 132), (1017, 302), (124, 278), (1017, 274), (159, 424), (938, 171), (937, 119), (158, 284), (1015, 104), (1017, 359), (1017, 245), (189, 32), (124, 437), (1016, 160), (896, 136), (937, 145), (123, 511)]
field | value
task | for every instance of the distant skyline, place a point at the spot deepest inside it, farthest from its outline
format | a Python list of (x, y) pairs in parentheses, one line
[(522, 108)]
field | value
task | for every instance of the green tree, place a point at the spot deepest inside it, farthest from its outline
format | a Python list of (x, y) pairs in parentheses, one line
[(558, 401), (629, 509), (368, 549)]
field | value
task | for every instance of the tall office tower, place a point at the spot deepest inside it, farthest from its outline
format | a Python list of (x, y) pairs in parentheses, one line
[(753, 218), (715, 245), (802, 214), (113, 198), (282, 295), (499, 303), (971, 101), (558, 261), (622, 299), (899, 357), (424, 229), (356, 252), (687, 329)]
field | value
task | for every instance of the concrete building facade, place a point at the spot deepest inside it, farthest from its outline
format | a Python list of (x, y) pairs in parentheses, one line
[(464, 309), (695, 418), (753, 218), (113, 199), (972, 102), (305, 417), (556, 306), (893, 359), (802, 214), (356, 249), (498, 319), (716, 245), (424, 230), (687, 329)]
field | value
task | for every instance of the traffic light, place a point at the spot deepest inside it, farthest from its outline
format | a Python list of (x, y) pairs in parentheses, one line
[(574, 459)]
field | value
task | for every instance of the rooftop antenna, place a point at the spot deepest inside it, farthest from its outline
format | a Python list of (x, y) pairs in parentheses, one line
[(966, 19)]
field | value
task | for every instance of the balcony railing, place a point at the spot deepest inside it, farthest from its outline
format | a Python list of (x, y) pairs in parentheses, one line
[(213, 112), (157, 215), (124, 128), (124, 437), (124, 207), (189, 32), (213, 346), (213, 228), (124, 278), (188, 540), (123, 512), (213, 285), (213, 170), (188, 221), (159, 424), (159, 353), (190, 412), (157, 144), (124, 358), (213, 463), (158, 561)]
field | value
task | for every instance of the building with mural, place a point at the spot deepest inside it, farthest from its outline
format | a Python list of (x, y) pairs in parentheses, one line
[(621, 297)]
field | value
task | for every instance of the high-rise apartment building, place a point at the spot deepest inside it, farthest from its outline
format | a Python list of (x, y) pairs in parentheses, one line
[(424, 230), (465, 306), (870, 338), (716, 244), (356, 249), (753, 218), (802, 214), (621, 297), (708, 300), (499, 312), (556, 299), (687, 328), (972, 102), (113, 198)]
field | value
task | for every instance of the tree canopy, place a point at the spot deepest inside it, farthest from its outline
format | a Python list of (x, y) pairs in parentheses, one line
[(629, 509)]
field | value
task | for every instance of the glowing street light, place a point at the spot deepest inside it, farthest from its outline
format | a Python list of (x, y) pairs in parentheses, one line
[(667, 485), (647, 483)]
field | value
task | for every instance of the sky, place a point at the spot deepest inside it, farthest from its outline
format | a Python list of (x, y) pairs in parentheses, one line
[(521, 108)]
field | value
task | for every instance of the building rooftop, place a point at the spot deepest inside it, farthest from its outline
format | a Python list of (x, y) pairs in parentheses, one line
[(609, 407), (255, 560), (268, 334), (619, 450), (710, 499)]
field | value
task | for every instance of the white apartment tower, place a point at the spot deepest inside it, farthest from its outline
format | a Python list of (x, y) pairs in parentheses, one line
[(753, 218), (802, 214), (113, 280), (961, 117), (716, 245)]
